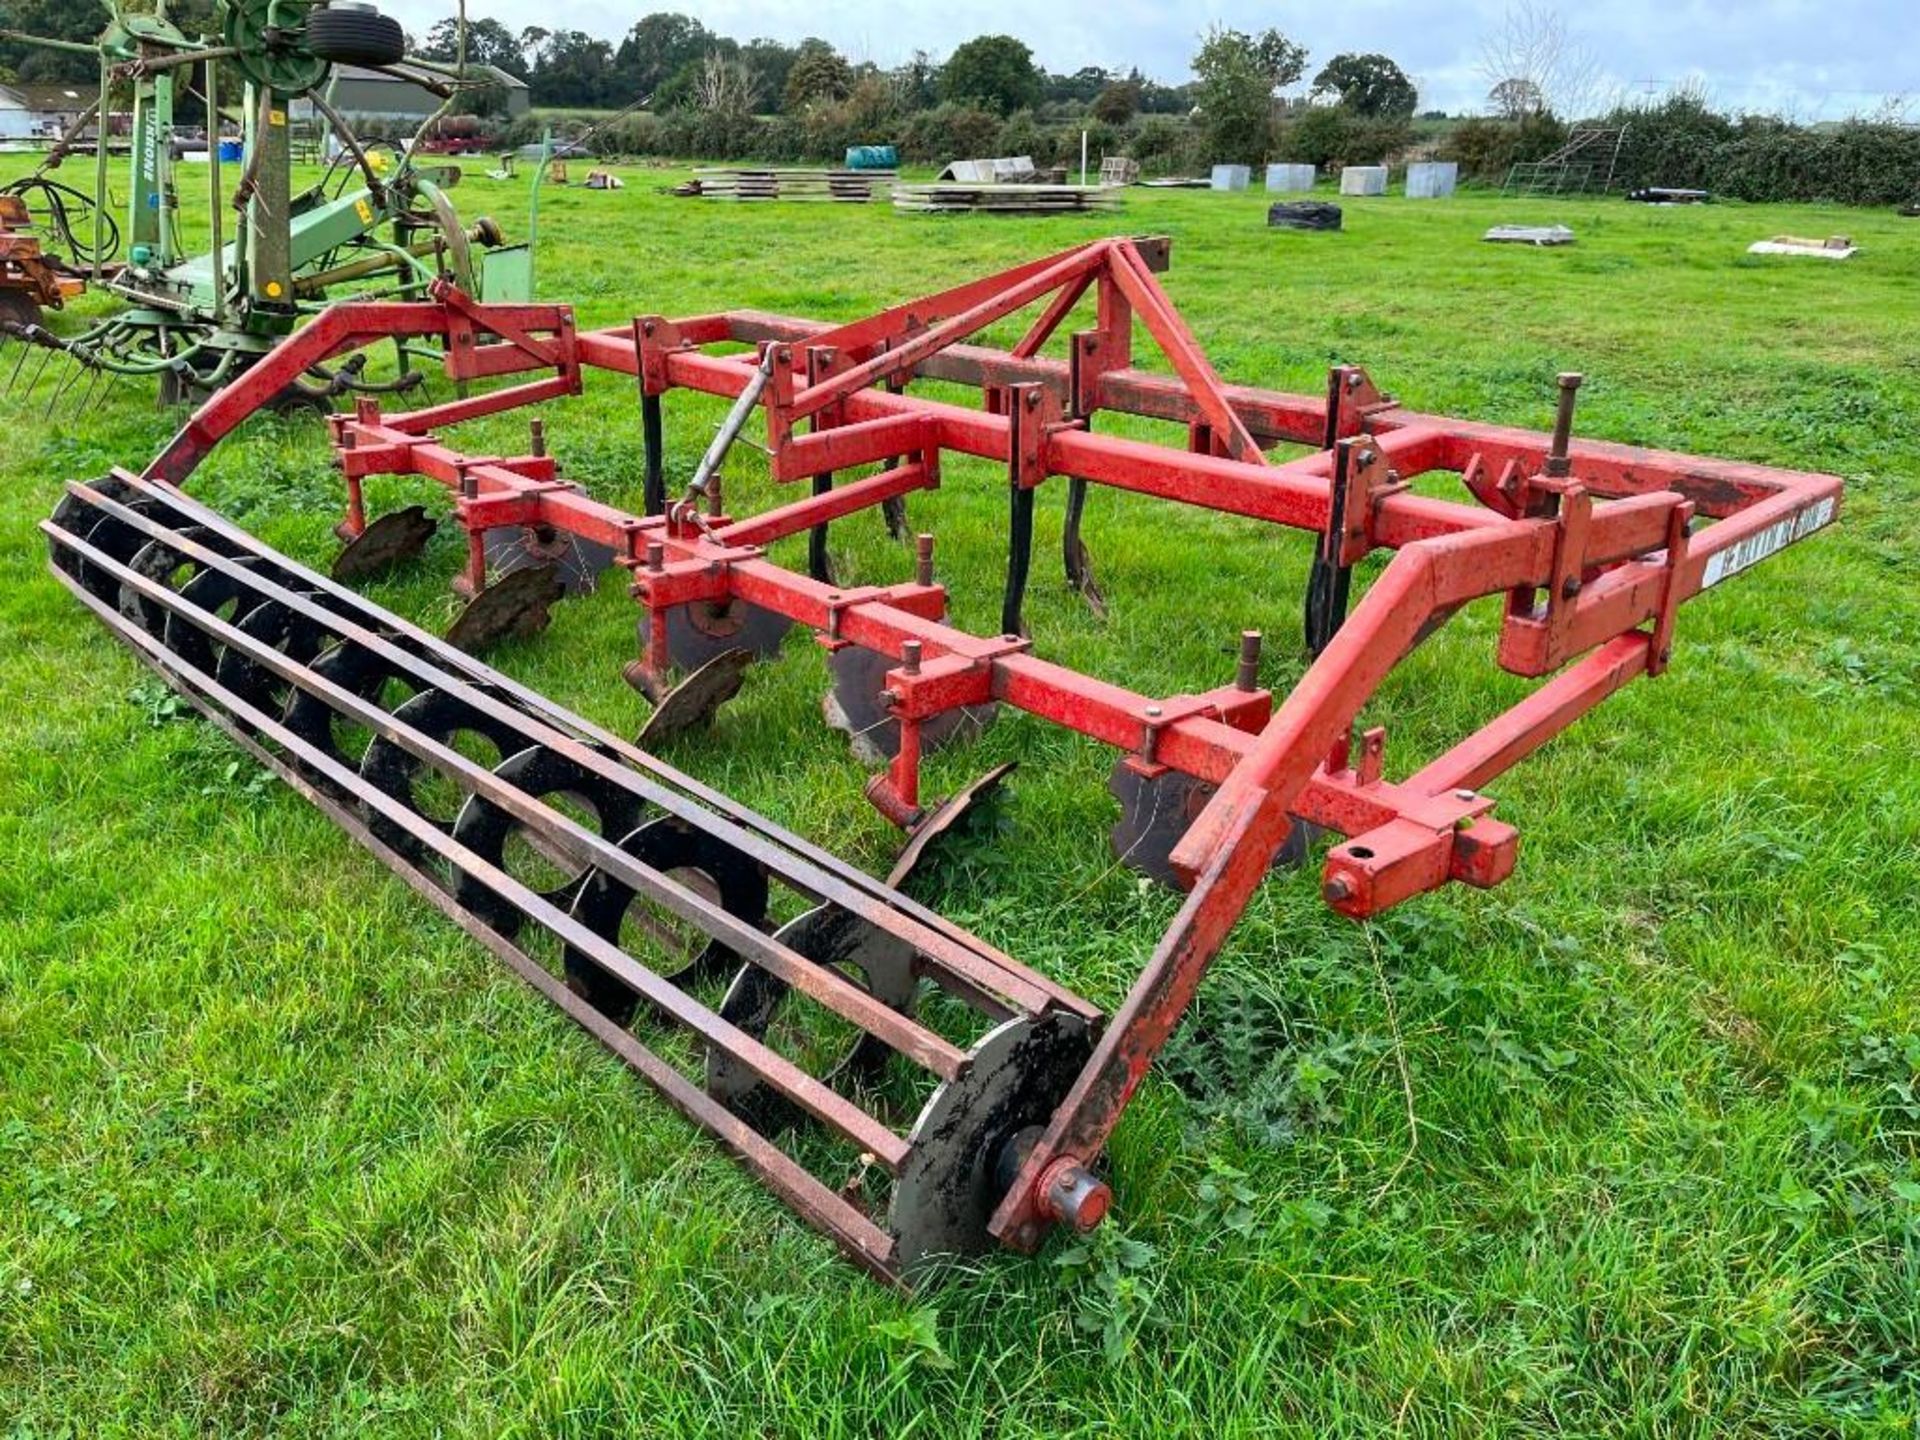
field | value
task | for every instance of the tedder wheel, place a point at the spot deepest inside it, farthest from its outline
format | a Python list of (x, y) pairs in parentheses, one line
[(355, 35), (20, 308)]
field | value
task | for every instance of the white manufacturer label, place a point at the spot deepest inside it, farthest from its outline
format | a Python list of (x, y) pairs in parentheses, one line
[(1777, 536)]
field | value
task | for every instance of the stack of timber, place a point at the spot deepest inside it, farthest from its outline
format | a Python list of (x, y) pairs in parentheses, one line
[(950, 195), (853, 187)]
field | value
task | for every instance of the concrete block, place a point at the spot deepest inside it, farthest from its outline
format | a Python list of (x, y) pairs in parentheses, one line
[(1290, 177), (1363, 180), (1432, 179), (1230, 177)]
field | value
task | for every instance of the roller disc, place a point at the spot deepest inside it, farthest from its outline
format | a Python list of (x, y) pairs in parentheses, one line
[(286, 631), (393, 769), (694, 701), (210, 591), (78, 518), (484, 828), (391, 540), (1156, 810), (946, 819), (352, 667), (852, 704), (519, 604), (158, 561), (576, 563), (113, 538), (956, 1171), (731, 879), (828, 936), (704, 630)]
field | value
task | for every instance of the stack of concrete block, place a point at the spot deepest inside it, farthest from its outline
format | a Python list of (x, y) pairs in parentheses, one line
[(1432, 179), (1363, 180), (1290, 177), (1231, 177)]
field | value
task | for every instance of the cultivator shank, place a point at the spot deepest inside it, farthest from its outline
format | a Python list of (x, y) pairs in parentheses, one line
[(1590, 549)]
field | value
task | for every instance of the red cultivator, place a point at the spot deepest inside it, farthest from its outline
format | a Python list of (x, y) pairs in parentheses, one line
[(1008, 1085)]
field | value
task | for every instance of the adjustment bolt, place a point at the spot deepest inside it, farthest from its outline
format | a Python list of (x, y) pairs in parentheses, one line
[(923, 560), (910, 656), (1247, 677), (1466, 795), (537, 429), (1557, 466), (656, 556), (1153, 712), (1073, 1195)]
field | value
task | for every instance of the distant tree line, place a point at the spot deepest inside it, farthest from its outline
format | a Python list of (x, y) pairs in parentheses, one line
[(1250, 99), (714, 96)]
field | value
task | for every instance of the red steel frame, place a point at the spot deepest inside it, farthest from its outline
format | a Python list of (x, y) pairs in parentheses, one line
[(1594, 545)]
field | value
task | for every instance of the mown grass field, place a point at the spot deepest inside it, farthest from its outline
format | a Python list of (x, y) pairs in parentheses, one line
[(1630, 1145)]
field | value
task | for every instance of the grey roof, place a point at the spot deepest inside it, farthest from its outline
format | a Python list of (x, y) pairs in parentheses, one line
[(381, 77)]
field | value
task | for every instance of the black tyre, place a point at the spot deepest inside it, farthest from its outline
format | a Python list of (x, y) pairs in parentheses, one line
[(354, 35), (20, 308)]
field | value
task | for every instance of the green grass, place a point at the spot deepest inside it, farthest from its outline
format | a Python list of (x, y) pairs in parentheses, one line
[(1628, 1145)]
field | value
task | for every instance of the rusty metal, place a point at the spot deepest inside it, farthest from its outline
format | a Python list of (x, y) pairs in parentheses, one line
[(647, 841), (696, 699), (393, 539), (1592, 547)]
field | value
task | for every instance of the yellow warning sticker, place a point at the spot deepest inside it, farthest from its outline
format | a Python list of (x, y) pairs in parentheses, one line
[(364, 211), (276, 117), (273, 289)]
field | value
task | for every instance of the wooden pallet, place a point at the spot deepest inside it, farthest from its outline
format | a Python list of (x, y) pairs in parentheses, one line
[(954, 196), (851, 187)]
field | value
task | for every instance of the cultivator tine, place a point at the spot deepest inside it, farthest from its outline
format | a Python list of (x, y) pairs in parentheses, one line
[(1079, 564), (642, 891), (893, 510)]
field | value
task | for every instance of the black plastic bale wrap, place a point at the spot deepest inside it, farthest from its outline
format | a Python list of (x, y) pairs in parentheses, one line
[(1303, 215)]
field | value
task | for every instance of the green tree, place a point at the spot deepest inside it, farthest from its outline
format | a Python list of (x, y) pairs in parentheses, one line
[(570, 68), (996, 71), (80, 20), (1237, 75), (1368, 85), (1079, 88), (488, 43), (769, 62), (917, 82), (1117, 103), (819, 72), (659, 47)]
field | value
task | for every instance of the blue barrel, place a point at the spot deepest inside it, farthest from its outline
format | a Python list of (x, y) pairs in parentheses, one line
[(229, 152), (872, 157)]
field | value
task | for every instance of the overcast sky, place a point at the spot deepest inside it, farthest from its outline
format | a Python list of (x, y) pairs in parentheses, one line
[(1812, 59)]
